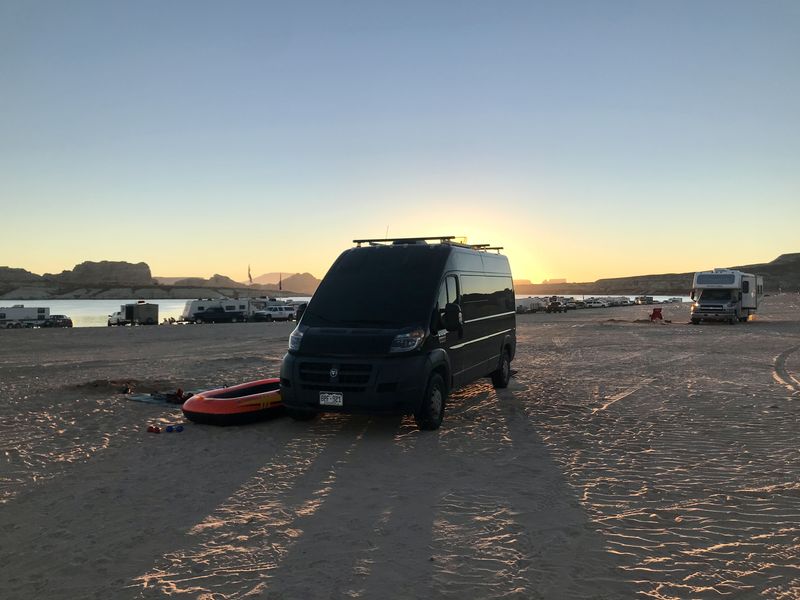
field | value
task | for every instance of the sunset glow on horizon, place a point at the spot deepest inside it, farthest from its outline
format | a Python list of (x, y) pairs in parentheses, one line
[(589, 141)]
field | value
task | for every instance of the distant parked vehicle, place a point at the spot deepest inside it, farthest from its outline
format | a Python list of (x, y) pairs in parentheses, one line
[(216, 310), (218, 314), (19, 316), (57, 321), (596, 304), (530, 304), (140, 313), (725, 295), (556, 306), (275, 313)]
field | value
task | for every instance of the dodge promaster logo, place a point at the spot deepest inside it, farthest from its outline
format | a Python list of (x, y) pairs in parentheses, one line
[(334, 373)]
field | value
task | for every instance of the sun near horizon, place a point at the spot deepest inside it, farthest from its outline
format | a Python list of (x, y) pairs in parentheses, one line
[(601, 141)]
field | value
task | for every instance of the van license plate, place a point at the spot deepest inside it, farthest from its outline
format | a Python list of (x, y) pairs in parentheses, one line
[(330, 398)]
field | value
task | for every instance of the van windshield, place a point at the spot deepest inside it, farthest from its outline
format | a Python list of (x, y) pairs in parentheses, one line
[(384, 287)]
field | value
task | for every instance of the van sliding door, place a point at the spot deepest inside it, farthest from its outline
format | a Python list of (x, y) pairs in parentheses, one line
[(488, 305)]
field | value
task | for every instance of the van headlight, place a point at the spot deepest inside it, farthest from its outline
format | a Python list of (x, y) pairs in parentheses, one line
[(295, 339), (405, 342)]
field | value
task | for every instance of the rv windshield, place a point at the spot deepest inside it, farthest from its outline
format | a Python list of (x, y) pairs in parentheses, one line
[(715, 278), (716, 295), (378, 287)]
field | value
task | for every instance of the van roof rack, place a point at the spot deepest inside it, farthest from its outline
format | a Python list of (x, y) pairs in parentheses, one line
[(377, 241), (442, 239)]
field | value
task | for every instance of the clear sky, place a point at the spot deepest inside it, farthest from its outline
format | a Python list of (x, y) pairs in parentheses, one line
[(591, 139)]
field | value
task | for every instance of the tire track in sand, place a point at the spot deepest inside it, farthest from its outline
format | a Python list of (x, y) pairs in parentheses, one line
[(781, 374)]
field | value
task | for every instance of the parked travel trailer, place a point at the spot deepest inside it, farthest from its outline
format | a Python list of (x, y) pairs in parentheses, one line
[(216, 310), (233, 310), (396, 325), (531, 304), (140, 313), (725, 295), (18, 316)]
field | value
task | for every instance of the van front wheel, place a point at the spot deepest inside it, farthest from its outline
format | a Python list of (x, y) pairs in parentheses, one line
[(430, 413), (502, 375)]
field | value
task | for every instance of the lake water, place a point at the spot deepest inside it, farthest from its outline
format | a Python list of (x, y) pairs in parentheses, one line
[(94, 313)]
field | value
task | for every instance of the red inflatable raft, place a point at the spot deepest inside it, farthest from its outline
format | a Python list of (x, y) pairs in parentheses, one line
[(243, 403)]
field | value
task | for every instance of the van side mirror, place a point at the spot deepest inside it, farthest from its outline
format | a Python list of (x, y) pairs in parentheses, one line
[(452, 318), (691, 295)]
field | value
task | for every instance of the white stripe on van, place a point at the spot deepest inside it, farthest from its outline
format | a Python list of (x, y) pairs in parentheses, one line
[(480, 339), (505, 314)]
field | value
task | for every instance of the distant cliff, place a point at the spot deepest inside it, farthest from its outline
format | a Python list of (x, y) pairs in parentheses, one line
[(783, 273), (113, 279), (104, 273), (122, 280), (303, 283)]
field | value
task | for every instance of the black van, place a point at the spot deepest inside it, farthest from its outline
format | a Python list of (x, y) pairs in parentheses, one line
[(396, 325)]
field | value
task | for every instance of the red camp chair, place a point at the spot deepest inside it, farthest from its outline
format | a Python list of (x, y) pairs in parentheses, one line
[(656, 315)]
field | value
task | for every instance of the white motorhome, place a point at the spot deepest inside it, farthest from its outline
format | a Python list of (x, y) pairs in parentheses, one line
[(725, 295), (19, 316)]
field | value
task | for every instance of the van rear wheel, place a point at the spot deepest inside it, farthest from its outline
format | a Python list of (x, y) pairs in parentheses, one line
[(431, 412), (502, 375)]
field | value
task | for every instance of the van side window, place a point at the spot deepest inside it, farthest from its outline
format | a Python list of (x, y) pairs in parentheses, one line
[(448, 294), (486, 296), (442, 295), (746, 287), (452, 289)]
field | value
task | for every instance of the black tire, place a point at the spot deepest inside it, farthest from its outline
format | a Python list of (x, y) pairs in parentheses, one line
[(695, 321), (431, 411), (298, 414), (269, 318), (502, 375)]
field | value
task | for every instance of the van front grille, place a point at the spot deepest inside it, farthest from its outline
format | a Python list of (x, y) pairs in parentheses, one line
[(349, 373), (333, 387)]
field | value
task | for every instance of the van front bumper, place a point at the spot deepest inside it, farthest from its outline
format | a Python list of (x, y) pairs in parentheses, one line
[(385, 385)]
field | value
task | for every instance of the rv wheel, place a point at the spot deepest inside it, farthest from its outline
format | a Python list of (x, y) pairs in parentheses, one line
[(430, 413), (502, 375)]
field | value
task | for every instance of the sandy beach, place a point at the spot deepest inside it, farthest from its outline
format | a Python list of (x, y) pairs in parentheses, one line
[(626, 459)]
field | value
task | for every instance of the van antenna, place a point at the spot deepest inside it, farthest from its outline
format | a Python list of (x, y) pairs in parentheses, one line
[(386, 235)]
